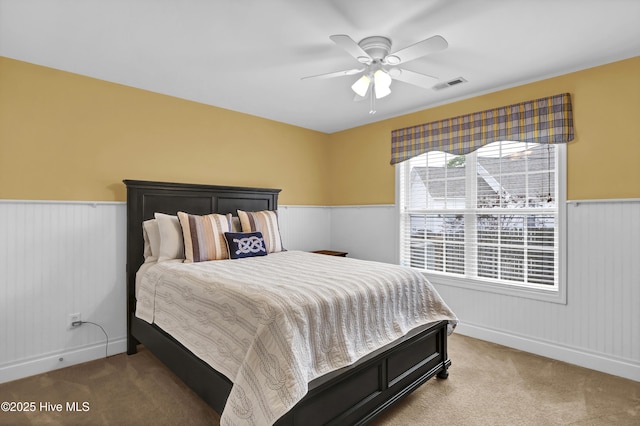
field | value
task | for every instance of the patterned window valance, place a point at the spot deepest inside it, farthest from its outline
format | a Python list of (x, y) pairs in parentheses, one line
[(545, 120)]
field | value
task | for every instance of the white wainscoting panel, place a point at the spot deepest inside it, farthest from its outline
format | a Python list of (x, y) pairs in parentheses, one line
[(58, 258), (305, 227), (365, 232)]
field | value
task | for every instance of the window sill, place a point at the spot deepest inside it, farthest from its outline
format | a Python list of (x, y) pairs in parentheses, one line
[(556, 295)]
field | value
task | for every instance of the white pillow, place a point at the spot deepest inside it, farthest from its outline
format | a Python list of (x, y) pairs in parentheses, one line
[(171, 242), (235, 224), (151, 234)]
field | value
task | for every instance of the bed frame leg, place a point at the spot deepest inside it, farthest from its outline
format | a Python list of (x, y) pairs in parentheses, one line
[(443, 374), (132, 342), (446, 362), (132, 347)]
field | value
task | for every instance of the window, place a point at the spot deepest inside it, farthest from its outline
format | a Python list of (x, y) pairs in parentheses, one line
[(489, 219)]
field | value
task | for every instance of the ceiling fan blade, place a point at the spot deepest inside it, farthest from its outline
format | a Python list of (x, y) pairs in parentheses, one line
[(351, 47), (415, 78), (417, 50), (335, 74)]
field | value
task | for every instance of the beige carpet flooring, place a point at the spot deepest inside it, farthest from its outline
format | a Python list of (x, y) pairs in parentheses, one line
[(488, 385)]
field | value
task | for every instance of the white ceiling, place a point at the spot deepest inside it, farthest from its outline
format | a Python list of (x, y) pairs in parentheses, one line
[(250, 55)]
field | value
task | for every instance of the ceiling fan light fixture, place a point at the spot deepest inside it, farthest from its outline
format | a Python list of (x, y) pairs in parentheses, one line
[(382, 91), (382, 83), (361, 87)]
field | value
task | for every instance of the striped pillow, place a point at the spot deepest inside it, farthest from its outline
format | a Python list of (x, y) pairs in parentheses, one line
[(266, 222), (204, 236)]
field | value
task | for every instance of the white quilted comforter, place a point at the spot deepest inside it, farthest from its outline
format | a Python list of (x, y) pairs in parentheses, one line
[(272, 324)]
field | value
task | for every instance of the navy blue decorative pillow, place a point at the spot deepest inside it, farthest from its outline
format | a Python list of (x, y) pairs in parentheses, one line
[(245, 244)]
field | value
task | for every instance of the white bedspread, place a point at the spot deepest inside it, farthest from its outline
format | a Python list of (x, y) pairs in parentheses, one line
[(272, 324)]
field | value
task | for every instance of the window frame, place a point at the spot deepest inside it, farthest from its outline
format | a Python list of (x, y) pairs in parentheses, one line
[(556, 295)]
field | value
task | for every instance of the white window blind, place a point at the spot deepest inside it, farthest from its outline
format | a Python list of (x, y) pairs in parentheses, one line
[(491, 215)]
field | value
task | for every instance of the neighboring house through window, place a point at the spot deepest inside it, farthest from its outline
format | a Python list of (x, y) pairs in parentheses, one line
[(492, 219)]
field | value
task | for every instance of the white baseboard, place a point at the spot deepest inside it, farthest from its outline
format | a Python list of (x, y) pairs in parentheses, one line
[(593, 361), (43, 364)]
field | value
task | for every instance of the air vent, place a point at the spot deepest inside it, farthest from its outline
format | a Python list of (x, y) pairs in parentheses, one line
[(449, 83)]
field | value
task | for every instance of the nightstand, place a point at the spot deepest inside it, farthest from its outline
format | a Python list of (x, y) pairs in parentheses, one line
[(331, 253)]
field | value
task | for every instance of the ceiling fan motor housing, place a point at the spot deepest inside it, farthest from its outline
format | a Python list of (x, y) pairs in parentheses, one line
[(377, 47)]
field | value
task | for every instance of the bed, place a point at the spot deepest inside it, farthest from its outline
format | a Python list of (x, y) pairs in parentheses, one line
[(350, 394)]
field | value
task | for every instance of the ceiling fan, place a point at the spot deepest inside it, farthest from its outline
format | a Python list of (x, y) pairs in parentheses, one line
[(379, 67)]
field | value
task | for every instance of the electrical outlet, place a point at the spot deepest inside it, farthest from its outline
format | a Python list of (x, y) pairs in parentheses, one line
[(75, 320)]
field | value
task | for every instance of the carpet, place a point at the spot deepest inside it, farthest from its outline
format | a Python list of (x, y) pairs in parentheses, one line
[(488, 384)]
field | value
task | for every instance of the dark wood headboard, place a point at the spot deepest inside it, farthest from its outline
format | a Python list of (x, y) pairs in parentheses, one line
[(144, 198)]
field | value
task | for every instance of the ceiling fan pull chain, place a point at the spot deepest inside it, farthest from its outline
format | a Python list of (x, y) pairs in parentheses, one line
[(372, 101)]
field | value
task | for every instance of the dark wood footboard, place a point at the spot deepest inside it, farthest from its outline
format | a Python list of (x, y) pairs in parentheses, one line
[(351, 396), (365, 390)]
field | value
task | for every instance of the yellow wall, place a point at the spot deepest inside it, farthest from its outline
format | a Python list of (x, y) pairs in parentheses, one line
[(603, 161), (69, 137)]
